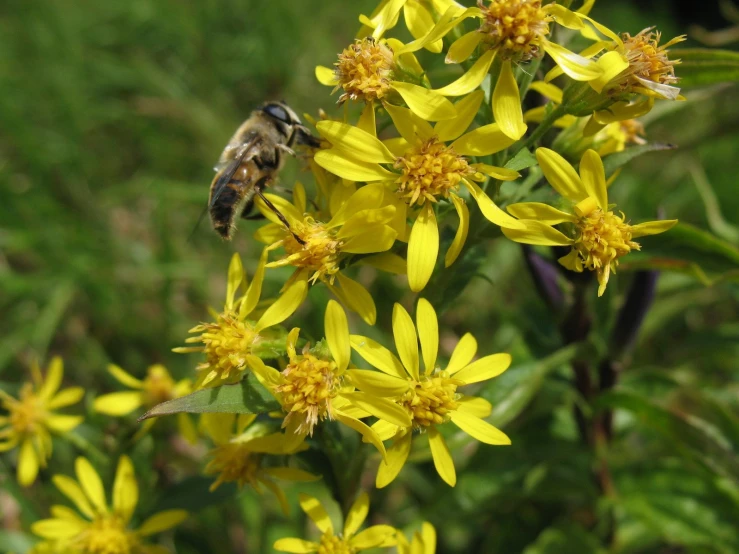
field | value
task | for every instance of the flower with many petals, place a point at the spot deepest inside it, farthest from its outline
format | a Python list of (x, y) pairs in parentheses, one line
[(233, 339), (431, 398), (103, 529), (423, 169), (31, 418), (598, 236), (157, 387), (347, 542), (316, 385), (320, 242)]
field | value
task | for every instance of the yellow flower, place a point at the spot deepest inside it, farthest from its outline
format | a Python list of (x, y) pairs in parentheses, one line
[(239, 458), (422, 169), (421, 543), (103, 529), (31, 419), (432, 398), (597, 235), (362, 223), (317, 385), (157, 387), (516, 31), (369, 71), (348, 542), (232, 340)]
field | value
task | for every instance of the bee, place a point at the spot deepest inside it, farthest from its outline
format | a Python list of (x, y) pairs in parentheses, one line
[(250, 163)]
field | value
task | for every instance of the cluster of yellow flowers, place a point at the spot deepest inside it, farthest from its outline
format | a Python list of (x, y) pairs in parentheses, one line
[(385, 184)]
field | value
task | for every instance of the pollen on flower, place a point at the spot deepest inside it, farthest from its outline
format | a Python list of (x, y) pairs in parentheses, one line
[(107, 535), (309, 386), (331, 544), (647, 59), (226, 345), (365, 70), (320, 252), (26, 413), (603, 238), (158, 386), (431, 400), (514, 26), (633, 131), (233, 462), (430, 170)]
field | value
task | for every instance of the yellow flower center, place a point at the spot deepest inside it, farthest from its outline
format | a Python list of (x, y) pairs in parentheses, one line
[(226, 344), (430, 170), (432, 399), (107, 535), (331, 544), (27, 413), (320, 252), (309, 385), (604, 237), (514, 26), (647, 59), (364, 70), (233, 462), (158, 386)]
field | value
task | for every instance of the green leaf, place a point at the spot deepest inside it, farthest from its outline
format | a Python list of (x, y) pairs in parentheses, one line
[(612, 162), (688, 249), (523, 159), (14, 541), (705, 66), (193, 494), (565, 539), (247, 397)]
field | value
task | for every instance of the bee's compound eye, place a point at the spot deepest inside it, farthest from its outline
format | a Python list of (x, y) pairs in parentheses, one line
[(278, 112)]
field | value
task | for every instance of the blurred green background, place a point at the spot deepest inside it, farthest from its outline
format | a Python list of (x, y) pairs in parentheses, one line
[(112, 115)]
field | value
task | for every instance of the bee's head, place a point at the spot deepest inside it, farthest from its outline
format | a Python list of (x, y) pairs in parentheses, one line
[(281, 112), (283, 116)]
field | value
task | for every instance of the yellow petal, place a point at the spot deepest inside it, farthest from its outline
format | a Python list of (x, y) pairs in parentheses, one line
[(366, 120), (423, 248), (574, 65), (463, 47), (365, 198), (69, 488), (326, 76), (397, 455), (65, 398), (125, 489), (378, 356), (385, 430), (428, 333), (356, 143), (612, 63), (507, 103), (91, 483), (467, 109), (483, 141), (63, 423), (374, 238), (357, 298), (489, 209), (398, 145), (540, 212), (500, 173), (548, 90), (593, 176), (118, 403), (479, 429), (478, 407), (53, 379), (448, 21), (428, 535), (357, 514), (28, 463), (460, 237), (462, 354), (337, 334), (235, 278), (484, 368), (381, 408), (420, 22), (386, 261), (538, 233), (374, 536), (255, 287), (284, 306), (425, 103), (377, 383), (387, 17), (58, 529), (652, 227), (161, 522), (296, 546), (338, 163), (410, 126), (406, 340), (442, 457), (368, 434), (291, 474), (622, 110), (472, 78), (124, 378), (561, 175)]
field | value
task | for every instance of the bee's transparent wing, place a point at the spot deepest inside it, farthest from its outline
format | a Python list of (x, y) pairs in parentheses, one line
[(224, 177)]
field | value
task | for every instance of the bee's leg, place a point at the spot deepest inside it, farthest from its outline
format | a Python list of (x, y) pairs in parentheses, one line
[(305, 137), (278, 213), (287, 149), (247, 214)]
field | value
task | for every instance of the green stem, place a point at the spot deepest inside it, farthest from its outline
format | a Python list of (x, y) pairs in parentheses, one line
[(543, 127), (87, 448)]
